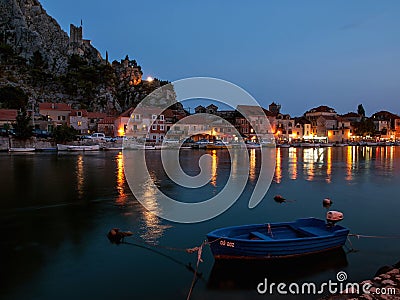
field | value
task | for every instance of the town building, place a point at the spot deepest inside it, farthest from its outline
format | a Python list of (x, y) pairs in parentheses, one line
[(94, 118), (107, 126), (254, 122), (385, 125), (56, 114), (78, 119), (8, 117)]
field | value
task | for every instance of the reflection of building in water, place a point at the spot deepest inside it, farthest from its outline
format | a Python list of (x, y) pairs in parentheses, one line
[(80, 177), (329, 165), (122, 196), (349, 164), (152, 226), (308, 159), (278, 170), (252, 170), (214, 167), (293, 162)]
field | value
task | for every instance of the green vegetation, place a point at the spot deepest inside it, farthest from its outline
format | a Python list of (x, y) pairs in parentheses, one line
[(83, 79), (22, 128), (38, 69), (365, 127), (13, 98), (361, 110), (64, 133)]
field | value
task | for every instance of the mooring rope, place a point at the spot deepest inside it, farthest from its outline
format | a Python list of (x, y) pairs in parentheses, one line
[(198, 250), (375, 236)]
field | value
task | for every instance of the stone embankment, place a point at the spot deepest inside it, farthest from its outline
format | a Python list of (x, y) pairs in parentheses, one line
[(6, 143), (42, 144)]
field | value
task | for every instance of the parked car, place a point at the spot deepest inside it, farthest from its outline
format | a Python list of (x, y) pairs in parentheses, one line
[(171, 141), (98, 135), (203, 142), (4, 132), (41, 133), (110, 139)]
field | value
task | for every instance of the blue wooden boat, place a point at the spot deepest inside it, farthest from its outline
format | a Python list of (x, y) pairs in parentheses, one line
[(276, 240)]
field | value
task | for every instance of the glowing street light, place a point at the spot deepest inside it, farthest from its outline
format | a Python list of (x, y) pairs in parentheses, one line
[(149, 79)]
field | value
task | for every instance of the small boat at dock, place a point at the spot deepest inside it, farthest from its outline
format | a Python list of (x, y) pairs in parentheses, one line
[(253, 145), (218, 144), (277, 240), (21, 150), (61, 147)]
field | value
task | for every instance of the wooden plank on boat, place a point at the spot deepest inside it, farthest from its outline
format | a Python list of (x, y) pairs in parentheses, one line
[(260, 235)]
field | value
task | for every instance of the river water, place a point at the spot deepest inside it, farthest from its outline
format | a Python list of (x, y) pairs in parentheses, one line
[(56, 209)]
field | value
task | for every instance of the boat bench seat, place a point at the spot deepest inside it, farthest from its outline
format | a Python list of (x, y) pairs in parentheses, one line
[(314, 231), (260, 235)]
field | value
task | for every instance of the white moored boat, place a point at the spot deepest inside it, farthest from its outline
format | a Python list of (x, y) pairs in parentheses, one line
[(61, 147), (21, 149)]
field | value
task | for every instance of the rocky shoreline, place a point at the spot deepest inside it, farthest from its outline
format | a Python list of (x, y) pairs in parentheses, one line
[(384, 285)]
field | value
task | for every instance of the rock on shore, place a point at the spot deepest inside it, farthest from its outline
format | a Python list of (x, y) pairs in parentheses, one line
[(385, 285)]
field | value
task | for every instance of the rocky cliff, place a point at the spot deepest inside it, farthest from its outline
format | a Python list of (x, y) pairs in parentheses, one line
[(27, 28), (37, 56)]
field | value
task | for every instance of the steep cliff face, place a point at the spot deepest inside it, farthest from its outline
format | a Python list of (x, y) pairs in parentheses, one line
[(26, 27), (37, 56)]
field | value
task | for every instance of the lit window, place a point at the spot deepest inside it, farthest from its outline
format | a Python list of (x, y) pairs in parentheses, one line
[(79, 123)]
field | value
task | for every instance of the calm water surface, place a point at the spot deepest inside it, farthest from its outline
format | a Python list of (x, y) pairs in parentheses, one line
[(56, 209)]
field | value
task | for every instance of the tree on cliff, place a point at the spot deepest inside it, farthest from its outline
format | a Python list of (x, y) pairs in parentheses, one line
[(22, 128), (13, 98)]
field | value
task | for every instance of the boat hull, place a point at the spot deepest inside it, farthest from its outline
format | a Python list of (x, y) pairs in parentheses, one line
[(313, 240), (61, 147), (19, 150)]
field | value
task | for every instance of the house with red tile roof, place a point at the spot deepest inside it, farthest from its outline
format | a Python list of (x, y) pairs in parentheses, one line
[(8, 117), (57, 113)]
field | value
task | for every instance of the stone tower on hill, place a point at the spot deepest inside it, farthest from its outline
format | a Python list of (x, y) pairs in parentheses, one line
[(80, 46), (76, 34)]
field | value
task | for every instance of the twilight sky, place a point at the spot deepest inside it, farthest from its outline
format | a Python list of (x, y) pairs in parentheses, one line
[(300, 54)]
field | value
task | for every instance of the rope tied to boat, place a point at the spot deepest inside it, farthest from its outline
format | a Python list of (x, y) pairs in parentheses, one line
[(199, 260), (199, 250)]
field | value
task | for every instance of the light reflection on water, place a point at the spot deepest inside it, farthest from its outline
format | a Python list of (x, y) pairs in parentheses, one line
[(121, 184), (80, 177), (315, 163), (152, 228), (214, 168)]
